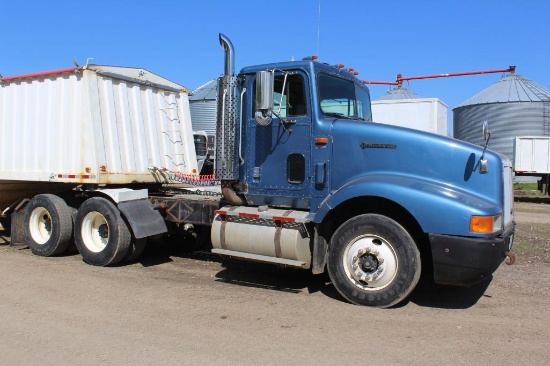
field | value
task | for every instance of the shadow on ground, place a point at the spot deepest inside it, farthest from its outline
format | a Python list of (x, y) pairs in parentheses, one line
[(295, 281)]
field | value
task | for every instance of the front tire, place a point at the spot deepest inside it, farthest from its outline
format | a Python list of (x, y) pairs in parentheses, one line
[(101, 235), (373, 261), (48, 225)]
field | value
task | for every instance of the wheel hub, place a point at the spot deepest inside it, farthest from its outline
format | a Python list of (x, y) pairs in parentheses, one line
[(367, 264), (47, 223), (103, 231), (371, 262)]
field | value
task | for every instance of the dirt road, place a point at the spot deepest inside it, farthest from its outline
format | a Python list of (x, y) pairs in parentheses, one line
[(175, 309)]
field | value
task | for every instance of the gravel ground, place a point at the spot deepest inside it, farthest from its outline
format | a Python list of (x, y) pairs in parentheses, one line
[(173, 308)]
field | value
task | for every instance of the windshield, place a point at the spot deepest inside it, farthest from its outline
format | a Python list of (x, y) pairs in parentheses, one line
[(342, 98)]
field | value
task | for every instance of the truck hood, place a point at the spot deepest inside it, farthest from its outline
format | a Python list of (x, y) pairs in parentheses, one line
[(363, 149)]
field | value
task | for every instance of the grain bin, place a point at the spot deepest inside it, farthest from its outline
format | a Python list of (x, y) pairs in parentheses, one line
[(513, 106), (202, 103)]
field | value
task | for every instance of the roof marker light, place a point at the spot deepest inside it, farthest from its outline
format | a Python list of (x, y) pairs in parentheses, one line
[(310, 58)]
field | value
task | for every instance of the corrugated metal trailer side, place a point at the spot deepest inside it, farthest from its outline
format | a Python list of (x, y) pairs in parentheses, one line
[(532, 155), (100, 125), (425, 114), (92, 126)]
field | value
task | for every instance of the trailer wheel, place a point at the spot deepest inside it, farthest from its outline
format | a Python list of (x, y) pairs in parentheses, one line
[(136, 249), (101, 235), (373, 261), (48, 225), (71, 248)]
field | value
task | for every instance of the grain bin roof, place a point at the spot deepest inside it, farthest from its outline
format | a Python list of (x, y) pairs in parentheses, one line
[(398, 94), (509, 89), (207, 91)]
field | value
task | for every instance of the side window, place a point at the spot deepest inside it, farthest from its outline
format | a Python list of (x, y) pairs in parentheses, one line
[(290, 101), (337, 96), (343, 98)]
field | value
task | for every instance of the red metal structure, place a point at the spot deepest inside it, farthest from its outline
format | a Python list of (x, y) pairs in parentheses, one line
[(399, 78)]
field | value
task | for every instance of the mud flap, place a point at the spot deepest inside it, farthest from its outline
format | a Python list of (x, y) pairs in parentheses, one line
[(143, 219), (17, 237)]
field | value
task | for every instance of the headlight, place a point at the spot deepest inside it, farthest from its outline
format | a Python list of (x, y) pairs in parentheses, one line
[(485, 224)]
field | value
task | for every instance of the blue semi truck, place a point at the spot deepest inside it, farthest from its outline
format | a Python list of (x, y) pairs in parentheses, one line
[(307, 181), (372, 203)]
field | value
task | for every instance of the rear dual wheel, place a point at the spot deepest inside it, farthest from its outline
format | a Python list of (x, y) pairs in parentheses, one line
[(48, 225), (101, 235)]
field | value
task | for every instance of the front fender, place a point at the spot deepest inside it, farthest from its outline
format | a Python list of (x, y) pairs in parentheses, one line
[(438, 208)]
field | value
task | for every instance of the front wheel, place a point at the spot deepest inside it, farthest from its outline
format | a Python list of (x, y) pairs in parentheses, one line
[(373, 261), (101, 235)]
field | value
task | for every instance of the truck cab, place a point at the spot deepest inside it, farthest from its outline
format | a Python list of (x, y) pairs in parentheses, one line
[(376, 204)]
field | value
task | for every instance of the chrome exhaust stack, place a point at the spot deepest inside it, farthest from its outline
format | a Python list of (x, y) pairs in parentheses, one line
[(228, 126), (229, 55)]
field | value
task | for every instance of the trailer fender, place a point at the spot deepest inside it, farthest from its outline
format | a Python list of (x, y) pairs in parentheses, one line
[(136, 208), (437, 208)]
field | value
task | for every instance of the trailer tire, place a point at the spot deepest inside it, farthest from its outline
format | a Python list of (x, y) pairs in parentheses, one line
[(101, 235), (373, 261), (136, 249), (71, 248), (48, 225)]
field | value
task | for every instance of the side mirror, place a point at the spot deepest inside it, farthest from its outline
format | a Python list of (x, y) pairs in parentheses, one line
[(483, 163), (486, 132), (264, 97)]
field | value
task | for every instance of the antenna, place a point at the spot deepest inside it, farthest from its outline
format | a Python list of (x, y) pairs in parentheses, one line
[(318, 28)]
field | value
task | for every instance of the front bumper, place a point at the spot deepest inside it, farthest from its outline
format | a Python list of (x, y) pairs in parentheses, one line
[(463, 261)]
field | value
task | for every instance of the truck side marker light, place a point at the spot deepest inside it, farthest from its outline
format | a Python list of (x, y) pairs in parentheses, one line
[(321, 141)]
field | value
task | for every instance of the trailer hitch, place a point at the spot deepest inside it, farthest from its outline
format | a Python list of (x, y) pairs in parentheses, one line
[(510, 258)]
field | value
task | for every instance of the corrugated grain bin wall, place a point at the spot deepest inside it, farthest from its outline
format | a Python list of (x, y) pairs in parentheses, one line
[(203, 107), (101, 125), (513, 106)]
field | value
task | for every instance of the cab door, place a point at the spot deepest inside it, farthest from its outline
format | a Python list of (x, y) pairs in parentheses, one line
[(279, 154)]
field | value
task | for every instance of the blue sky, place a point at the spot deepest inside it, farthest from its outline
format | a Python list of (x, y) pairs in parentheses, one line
[(179, 39)]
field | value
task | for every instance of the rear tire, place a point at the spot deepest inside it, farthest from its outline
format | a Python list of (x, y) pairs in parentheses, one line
[(373, 261), (101, 235), (136, 249), (48, 225)]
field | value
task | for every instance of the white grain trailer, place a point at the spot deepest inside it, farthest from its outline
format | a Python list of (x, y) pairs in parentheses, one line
[(532, 158), (93, 136)]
